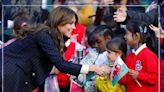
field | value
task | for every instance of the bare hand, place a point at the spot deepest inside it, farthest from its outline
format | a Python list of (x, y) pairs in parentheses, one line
[(133, 74), (55, 70), (102, 70), (159, 32), (73, 38), (152, 6), (120, 15)]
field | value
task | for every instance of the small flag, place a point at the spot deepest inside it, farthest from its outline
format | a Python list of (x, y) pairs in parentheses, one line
[(75, 87), (118, 71)]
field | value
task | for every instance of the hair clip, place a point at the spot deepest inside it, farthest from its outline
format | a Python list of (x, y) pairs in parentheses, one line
[(143, 30)]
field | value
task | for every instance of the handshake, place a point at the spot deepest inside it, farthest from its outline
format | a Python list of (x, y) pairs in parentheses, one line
[(101, 70)]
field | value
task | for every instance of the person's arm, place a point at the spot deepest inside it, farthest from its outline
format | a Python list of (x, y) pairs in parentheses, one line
[(48, 46), (149, 17)]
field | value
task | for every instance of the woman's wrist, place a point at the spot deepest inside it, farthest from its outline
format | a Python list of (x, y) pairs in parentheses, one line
[(84, 69)]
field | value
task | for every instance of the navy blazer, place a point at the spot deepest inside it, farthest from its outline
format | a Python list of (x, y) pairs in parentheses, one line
[(27, 62)]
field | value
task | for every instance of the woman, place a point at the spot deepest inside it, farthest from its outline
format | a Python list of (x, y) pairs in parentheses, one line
[(29, 60)]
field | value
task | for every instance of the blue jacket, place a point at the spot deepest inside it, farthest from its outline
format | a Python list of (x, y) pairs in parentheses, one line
[(27, 62)]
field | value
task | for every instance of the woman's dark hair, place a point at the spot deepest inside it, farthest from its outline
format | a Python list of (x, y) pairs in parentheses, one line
[(59, 17), (117, 44), (102, 30), (135, 26), (23, 25)]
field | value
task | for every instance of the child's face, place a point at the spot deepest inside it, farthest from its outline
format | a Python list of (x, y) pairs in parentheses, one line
[(100, 42), (131, 39), (112, 55)]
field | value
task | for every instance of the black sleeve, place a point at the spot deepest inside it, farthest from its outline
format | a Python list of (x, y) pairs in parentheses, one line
[(150, 17), (48, 46)]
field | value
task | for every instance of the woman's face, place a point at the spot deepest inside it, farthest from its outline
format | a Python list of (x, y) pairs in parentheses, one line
[(67, 29)]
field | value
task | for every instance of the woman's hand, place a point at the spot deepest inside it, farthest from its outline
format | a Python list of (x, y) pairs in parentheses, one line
[(101, 70)]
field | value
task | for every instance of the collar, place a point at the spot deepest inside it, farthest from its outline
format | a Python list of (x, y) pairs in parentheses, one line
[(137, 51)]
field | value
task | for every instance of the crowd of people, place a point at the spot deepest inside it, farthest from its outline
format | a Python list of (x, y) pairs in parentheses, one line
[(81, 43)]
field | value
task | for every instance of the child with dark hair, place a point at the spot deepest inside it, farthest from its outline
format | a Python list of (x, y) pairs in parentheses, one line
[(100, 36), (142, 62), (97, 54), (115, 47)]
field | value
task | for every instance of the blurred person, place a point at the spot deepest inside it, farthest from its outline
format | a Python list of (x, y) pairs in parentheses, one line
[(105, 9), (148, 17), (160, 34), (116, 27)]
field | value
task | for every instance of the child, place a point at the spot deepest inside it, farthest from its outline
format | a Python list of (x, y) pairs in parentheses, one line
[(115, 47), (100, 36), (142, 62), (97, 39)]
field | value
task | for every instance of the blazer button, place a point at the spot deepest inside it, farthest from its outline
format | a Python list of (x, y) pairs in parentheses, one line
[(33, 74), (26, 83)]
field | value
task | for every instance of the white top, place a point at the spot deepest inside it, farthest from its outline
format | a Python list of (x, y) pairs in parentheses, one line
[(139, 49), (84, 69), (102, 59)]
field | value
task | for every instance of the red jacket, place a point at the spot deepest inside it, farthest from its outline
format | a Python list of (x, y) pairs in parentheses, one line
[(63, 79), (162, 76), (146, 63)]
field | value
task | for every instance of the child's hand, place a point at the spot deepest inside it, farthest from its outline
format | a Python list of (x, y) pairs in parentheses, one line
[(102, 70), (133, 74), (110, 69), (73, 38)]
